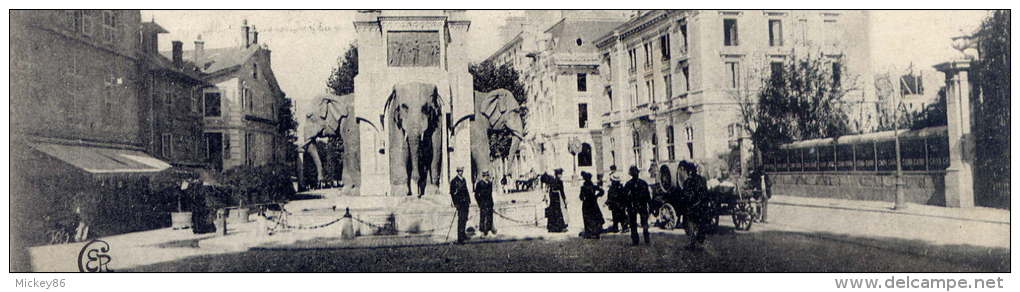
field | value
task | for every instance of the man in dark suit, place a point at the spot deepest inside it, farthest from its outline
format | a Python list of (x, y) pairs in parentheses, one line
[(638, 195), (483, 196), (461, 201)]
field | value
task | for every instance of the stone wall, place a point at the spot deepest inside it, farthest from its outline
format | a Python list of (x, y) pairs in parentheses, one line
[(920, 187)]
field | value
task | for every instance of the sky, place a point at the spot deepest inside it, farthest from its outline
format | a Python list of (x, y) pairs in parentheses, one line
[(306, 45)]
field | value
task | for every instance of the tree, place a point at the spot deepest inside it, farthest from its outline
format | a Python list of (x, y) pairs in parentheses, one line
[(489, 77), (287, 127), (341, 79), (804, 99), (991, 74)]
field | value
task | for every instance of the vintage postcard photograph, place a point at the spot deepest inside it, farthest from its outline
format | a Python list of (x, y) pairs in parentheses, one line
[(512, 141)]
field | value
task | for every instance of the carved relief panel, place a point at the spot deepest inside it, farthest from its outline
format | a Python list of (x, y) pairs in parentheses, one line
[(413, 49)]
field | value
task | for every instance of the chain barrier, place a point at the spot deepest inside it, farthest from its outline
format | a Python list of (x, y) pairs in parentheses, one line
[(280, 222), (504, 216)]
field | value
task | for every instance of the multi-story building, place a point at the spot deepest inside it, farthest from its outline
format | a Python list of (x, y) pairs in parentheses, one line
[(171, 105), (241, 108), (559, 68), (76, 139), (674, 79)]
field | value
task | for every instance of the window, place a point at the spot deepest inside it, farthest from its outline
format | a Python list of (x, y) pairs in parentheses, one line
[(686, 69), (168, 92), (664, 46), (777, 70), (584, 157), (775, 33), (637, 149), (88, 22), (730, 32), (249, 149), (109, 26), (733, 74), (196, 105), (648, 55), (650, 86), (582, 82), (582, 115), (668, 81), (212, 104), (634, 94), (837, 76), (245, 98), (632, 53), (831, 33), (670, 150), (683, 39), (655, 147), (802, 27), (255, 71), (73, 20), (166, 145), (690, 141)]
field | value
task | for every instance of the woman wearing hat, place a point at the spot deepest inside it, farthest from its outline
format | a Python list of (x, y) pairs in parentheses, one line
[(590, 211), (557, 203)]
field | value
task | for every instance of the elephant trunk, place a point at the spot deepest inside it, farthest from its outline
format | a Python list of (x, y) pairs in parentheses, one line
[(414, 168)]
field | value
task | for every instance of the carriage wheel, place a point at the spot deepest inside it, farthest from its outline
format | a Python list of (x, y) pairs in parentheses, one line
[(742, 217), (668, 218), (742, 221)]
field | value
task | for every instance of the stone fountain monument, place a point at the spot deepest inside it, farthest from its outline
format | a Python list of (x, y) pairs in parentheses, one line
[(413, 81)]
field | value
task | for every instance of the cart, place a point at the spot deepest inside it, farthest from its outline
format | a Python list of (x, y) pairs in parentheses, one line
[(743, 207)]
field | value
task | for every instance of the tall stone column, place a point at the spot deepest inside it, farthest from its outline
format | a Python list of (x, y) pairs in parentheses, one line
[(959, 176)]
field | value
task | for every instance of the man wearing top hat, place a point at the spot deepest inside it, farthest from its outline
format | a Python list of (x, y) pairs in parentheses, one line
[(461, 201)]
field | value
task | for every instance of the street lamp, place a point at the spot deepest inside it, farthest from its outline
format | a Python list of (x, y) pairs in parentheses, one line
[(901, 201)]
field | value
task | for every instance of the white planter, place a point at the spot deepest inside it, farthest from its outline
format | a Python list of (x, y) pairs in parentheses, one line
[(180, 220)]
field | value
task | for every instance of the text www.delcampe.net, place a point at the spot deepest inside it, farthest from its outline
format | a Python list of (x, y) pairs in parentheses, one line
[(919, 283)]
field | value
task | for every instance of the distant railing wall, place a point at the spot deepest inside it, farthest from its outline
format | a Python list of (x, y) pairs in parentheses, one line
[(862, 167)]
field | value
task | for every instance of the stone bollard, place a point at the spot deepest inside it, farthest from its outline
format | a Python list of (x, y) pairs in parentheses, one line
[(347, 226), (221, 216)]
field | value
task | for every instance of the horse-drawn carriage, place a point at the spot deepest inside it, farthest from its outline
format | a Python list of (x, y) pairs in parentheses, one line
[(669, 206)]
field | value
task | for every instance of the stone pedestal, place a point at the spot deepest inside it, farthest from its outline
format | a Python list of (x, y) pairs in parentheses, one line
[(959, 175), (399, 47)]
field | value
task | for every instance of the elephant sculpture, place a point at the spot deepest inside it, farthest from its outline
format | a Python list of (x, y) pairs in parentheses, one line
[(333, 117), (494, 110), (412, 117)]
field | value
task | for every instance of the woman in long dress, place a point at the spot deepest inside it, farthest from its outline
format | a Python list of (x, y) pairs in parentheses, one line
[(557, 203), (592, 215)]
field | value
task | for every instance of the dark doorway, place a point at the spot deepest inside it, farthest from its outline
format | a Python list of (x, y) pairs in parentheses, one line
[(214, 150)]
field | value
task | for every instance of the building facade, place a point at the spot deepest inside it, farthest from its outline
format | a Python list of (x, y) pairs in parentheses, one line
[(241, 107), (558, 63), (674, 79), (171, 108), (79, 167)]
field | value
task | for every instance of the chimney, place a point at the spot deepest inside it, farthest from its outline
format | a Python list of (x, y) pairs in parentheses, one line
[(177, 51), (245, 38), (199, 50), (254, 35)]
